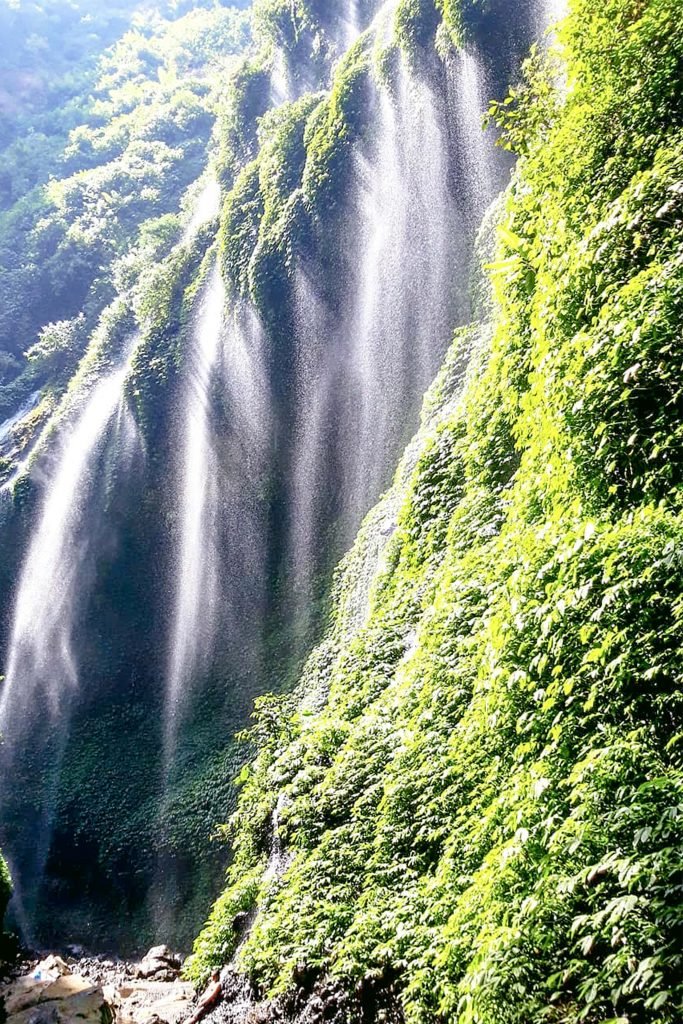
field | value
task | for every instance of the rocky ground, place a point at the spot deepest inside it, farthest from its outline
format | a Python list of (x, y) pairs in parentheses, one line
[(80, 989), (97, 990)]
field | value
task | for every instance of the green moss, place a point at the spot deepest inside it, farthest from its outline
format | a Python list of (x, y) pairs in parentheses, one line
[(464, 19), (334, 130), (416, 25), (240, 224), (293, 191), (247, 100)]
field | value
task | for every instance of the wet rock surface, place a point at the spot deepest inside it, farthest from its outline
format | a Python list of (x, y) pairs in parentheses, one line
[(324, 1000), (51, 994)]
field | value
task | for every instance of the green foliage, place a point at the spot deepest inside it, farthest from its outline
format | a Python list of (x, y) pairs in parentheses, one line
[(481, 773), (5, 888), (335, 128), (297, 181), (59, 347), (95, 170), (464, 18), (247, 100), (416, 24)]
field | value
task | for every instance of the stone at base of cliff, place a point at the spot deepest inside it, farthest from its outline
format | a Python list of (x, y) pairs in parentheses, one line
[(68, 999), (52, 994), (139, 1002), (159, 963)]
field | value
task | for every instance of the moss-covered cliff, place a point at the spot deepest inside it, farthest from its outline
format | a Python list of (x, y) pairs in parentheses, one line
[(339, 135), (479, 781)]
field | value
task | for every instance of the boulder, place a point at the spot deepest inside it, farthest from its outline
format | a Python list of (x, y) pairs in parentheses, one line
[(51, 967), (162, 953), (31, 990), (66, 999), (159, 963)]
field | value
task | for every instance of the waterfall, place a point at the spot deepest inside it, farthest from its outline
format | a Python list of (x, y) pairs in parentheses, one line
[(351, 23), (42, 673), (197, 571), (206, 208), (42, 665), (363, 369), (226, 429), (548, 14), (480, 175), (8, 425), (403, 310), (245, 454)]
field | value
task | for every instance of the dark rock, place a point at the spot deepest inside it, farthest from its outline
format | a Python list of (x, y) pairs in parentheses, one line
[(240, 922)]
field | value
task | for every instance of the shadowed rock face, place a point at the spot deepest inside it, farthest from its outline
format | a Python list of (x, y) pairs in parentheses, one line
[(312, 1000)]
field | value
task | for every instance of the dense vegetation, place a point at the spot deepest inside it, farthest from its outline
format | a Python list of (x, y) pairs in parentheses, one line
[(480, 782), (97, 155)]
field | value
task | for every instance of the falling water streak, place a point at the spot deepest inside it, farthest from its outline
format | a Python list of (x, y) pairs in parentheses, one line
[(42, 672), (41, 646), (245, 453), (316, 375), (7, 425), (206, 208), (244, 372), (362, 370), (382, 25), (281, 87), (197, 572), (467, 97), (402, 322), (374, 358), (549, 14), (351, 23), (280, 858)]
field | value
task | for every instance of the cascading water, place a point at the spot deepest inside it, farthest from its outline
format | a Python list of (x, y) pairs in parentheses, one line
[(197, 572), (548, 14), (206, 207), (8, 425), (481, 167), (220, 576), (351, 23), (404, 312), (221, 565), (363, 354), (42, 675), (363, 369)]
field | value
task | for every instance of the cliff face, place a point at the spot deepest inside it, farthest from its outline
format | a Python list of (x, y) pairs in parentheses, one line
[(243, 247), (258, 240), (472, 801)]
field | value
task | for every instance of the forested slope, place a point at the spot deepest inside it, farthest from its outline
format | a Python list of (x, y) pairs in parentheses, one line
[(478, 785)]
